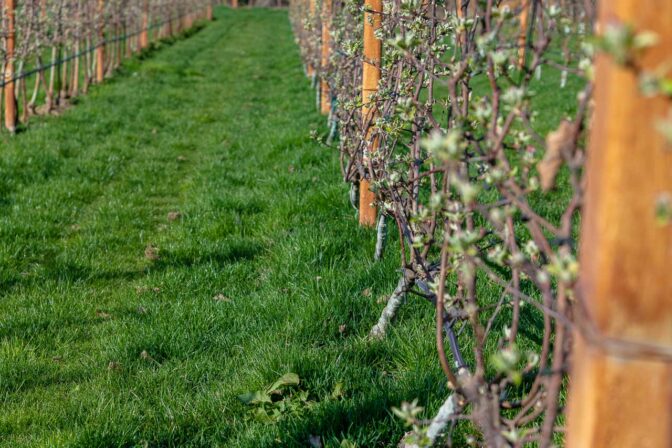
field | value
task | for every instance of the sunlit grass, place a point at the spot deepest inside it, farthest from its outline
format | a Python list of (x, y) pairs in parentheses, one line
[(264, 270)]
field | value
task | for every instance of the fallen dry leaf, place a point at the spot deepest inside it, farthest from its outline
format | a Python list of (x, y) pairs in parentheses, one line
[(103, 314), (174, 216), (221, 298), (367, 292), (152, 252), (147, 357), (558, 142), (342, 328), (113, 366)]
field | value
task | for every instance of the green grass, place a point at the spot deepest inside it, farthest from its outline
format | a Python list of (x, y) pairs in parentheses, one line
[(217, 127)]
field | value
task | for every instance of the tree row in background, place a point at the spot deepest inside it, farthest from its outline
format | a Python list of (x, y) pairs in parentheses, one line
[(53, 50)]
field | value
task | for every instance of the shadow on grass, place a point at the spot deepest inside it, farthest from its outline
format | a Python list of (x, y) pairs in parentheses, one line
[(351, 418), (234, 253), (56, 271)]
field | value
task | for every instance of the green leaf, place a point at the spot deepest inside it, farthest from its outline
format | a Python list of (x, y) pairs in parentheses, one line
[(645, 39), (303, 396), (262, 416), (256, 397), (288, 379), (666, 86), (338, 391)]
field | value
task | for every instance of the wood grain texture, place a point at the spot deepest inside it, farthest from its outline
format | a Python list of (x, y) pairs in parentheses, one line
[(626, 253), (370, 79)]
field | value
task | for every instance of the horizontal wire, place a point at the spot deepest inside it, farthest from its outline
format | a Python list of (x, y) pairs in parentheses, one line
[(104, 42)]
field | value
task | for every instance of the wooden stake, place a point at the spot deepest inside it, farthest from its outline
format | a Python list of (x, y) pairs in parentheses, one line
[(75, 72), (371, 77), (24, 99), (100, 50), (310, 70), (460, 15), (626, 251), (63, 76), (325, 107), (522, 34), (128, 43), (144, 38), (10, 96), (208, 11)]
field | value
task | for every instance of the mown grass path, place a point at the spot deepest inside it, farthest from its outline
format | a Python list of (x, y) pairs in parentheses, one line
[(103, 346)]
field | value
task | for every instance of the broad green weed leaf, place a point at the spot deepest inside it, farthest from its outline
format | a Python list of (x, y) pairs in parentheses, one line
[(288, 379)]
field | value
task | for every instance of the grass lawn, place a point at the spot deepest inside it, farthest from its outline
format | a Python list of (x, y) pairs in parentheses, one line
[(123, 326), (102, 345)]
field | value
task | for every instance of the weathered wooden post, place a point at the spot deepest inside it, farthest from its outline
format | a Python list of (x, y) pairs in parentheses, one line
[(325, 103), (100, 48), (144, 32), (459, 9), (522, 33), (234, 4), (626, 248), (10, 96), (371, 77)]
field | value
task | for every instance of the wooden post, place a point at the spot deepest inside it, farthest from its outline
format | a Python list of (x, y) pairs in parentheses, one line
[(208, 11), (144, 36), (74, 90), (100, 49), (325, 107), (460, 15), (371, 77), (234, 4), (310, 70), (10, 96), (522, 34), (626, 252)]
